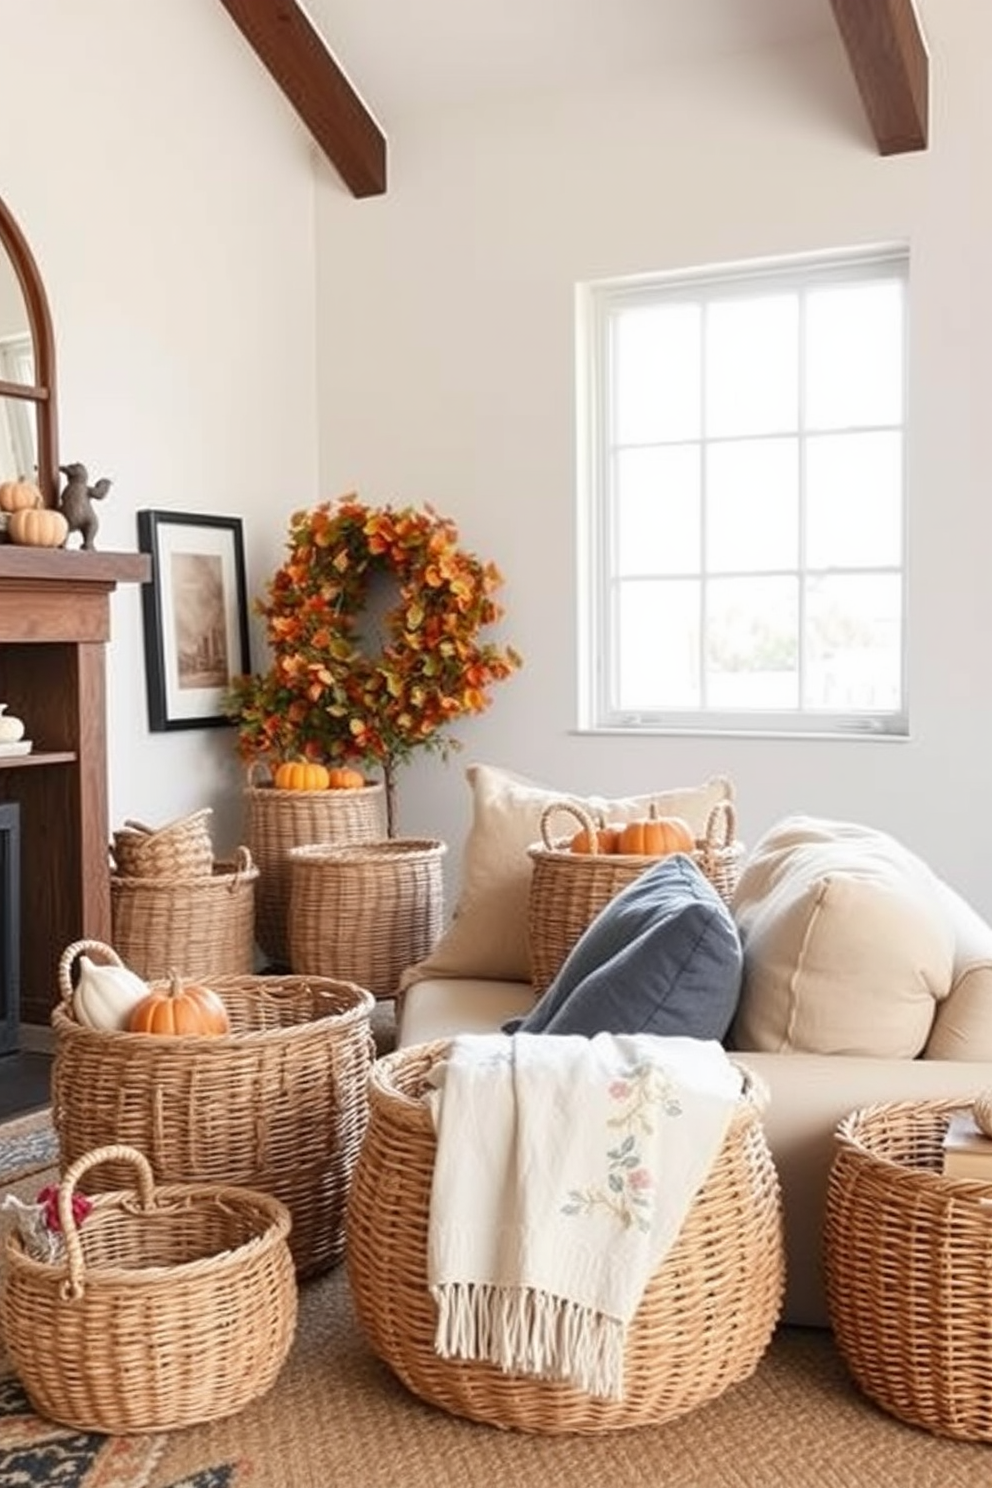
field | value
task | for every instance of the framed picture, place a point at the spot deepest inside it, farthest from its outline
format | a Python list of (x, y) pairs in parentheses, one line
[(195, 616)]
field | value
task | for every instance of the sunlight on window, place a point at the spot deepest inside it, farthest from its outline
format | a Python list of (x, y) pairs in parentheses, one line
[(751, 348)]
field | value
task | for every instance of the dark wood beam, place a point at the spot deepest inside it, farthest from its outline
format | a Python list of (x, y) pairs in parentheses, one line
[(296, 56), (888, 56)]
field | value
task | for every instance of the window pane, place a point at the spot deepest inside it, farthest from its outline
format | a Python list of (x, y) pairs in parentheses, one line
[(658, 645), (656, 376), (854, 661), (854, 355), (752, 643), (752, 365), (752, 505), (658, 529), (854, 500)]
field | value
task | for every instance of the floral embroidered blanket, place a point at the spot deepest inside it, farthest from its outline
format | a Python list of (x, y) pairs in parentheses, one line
[(565, 1166)]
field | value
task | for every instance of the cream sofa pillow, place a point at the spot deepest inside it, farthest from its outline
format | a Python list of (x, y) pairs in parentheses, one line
[(962, 1028), (848, 946), (488, 937)]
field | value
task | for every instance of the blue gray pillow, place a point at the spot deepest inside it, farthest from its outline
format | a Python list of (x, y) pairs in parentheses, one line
[(663, 956)]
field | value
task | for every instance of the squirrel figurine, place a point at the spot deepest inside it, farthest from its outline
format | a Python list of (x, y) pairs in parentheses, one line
[(76, 502)]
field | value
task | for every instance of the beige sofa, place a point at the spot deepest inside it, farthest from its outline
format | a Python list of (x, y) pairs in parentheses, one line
[(866, 980)]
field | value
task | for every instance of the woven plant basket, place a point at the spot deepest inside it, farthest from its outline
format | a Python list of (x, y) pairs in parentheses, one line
[(909, 1284), (171, 1306), (182, 849), (704, 1321), (366, 912), (568, 889), (203, 926), (281, 819), (279, 1104)]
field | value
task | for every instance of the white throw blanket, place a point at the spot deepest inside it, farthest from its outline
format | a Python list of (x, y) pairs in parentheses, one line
[(564, 1169)]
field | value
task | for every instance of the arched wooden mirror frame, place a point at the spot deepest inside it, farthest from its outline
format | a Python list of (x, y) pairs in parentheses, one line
[(42, 392)]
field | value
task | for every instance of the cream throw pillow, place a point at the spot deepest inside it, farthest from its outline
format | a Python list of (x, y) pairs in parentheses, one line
[(962, 1028), (848, 946), (488, 935)]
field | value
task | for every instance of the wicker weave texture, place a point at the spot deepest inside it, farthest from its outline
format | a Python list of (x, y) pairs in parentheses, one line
[(365, 912), (704, 1321), (173, 1305), (568, 890), (282, 819), (182, 849), (202, 926), (280, 1104), (909, 1280)]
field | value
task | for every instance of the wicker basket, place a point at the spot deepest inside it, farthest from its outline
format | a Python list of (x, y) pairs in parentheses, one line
[(568, 890), (180, 850), (704, 1321), (172, 1306), (203, 926), (367, 912), (279, 1104), (909, 1284), (281, 819)]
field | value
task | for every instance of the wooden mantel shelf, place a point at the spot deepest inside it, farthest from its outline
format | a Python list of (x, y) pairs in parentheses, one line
[(72, 566)]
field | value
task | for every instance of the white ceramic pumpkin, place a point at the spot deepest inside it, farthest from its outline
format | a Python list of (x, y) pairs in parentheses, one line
[(105, 996)]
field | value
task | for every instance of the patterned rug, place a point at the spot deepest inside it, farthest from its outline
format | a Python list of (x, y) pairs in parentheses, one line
[(27, 1145), (34, 1451)]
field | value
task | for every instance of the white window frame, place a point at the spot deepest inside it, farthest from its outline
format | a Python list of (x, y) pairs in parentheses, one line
[(595, 305)]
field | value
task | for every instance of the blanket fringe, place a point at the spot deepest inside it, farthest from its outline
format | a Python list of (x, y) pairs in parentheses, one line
[(526, 1331)]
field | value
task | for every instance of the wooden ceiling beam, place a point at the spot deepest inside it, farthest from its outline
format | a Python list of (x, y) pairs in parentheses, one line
[(888, 56), (296, 56)]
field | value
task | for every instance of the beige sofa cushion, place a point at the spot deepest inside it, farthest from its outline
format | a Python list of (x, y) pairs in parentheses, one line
[(848, 946), (488, 935), (962, 1026)]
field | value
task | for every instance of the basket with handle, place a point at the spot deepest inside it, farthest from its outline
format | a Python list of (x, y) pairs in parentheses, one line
[(278, 1104), (172, 1304), (204, 924), (278, 820), (568, 889)]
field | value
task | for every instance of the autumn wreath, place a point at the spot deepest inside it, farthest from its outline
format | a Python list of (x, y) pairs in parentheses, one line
[(329, 695)]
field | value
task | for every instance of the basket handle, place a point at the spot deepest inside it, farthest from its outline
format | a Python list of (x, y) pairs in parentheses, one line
[(67, 1188), (582, 816), (81, 948), (253, 765), (721, 827), (243, 863), (136, 826)]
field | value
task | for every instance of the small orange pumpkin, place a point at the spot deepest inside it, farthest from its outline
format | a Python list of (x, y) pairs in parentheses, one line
[(656, 836), (19, 495), (605, 840), (37, 527), (301, 775), (341, 778), (180, 1008)]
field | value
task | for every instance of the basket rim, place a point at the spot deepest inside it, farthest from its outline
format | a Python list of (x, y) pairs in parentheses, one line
[(328, 793), (385, 849), (222, 871), (850, 1143)]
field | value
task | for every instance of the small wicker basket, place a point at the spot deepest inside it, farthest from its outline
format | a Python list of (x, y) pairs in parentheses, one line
[(365, 912), (909, 1284), (281, 819), (173, 1305), (569, 889), (280, 1104), (704, 1321), (182, 849), (204, 925)]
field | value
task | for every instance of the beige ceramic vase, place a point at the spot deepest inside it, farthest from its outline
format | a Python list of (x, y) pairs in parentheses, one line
[(11, 728)]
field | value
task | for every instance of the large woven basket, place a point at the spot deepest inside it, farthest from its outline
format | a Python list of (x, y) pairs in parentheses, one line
[(365, 912), (279, 1104), (908, 1257), (281, 819), (203, 925), (704, 1321), (171, 1305), (181, 849), (568, 889)]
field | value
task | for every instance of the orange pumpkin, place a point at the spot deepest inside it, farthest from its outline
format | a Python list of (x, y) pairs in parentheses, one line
[(656, 836), (301, 775), (341, 778), (605, 840), (180, 1008), (19, 495), (37, 527)]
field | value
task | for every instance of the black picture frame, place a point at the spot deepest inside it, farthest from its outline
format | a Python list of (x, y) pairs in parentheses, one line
[(195, 616)]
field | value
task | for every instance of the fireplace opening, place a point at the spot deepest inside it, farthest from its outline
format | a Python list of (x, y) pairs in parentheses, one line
[(10, 927)]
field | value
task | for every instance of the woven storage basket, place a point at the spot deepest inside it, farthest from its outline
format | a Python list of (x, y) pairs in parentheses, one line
[(909, 1281), (568, 889), (365, 912), (279, 1104), (172, 1306), (182, 849), (281, 819), (704, 1321), (202, 925)]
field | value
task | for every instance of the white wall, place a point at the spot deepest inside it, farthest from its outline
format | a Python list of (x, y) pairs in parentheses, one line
[(446, 375), (166, 189)]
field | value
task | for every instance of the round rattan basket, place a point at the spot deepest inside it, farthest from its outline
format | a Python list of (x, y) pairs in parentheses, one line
[(568, 889), (170, 1306), (202, 924), (909, 1284), (365, 912), (280, 1104), (181, 849), (278, 820), (704, 1321)]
